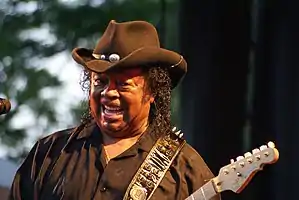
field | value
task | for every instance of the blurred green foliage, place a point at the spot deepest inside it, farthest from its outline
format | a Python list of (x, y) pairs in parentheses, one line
[(69, 23)]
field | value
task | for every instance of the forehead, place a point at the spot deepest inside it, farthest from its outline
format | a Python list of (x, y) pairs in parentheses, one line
[(123, 73)]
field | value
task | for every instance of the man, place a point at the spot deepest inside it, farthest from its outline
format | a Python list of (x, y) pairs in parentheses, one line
[(126, 147)]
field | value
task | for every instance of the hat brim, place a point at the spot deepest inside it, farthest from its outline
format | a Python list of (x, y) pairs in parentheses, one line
[(144, 56)]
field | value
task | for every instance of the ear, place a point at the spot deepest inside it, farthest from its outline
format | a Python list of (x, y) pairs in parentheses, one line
[(149, 98), (152, 99)]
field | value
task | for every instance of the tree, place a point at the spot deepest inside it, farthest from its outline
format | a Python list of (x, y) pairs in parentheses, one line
[(24, 79)]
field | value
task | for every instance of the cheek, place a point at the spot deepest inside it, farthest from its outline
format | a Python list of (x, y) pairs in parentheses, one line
[(95, 96), (95, 93), (131, 105), (137, 105)]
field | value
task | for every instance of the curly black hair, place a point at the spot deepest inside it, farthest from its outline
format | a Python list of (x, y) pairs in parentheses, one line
[(159, 84)]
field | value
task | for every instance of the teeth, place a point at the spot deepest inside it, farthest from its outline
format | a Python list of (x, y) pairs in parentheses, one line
[(112, 108)]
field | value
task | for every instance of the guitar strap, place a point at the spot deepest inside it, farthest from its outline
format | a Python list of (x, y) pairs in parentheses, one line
[(154, 167)]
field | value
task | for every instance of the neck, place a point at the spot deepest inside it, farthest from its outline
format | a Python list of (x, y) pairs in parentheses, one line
[(110, 140), (114, 146), (131, 131)]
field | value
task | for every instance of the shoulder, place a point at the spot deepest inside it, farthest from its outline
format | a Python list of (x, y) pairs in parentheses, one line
[(57, 138), (190, 155), (193, 165), (52, 144), (194, 171), (49, 146), (61, 135)]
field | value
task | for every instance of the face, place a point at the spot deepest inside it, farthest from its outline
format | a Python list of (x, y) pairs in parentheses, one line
[(120, 102)]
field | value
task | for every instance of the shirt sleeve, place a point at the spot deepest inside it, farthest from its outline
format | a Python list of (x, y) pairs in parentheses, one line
[(194, 171), (22, 187)]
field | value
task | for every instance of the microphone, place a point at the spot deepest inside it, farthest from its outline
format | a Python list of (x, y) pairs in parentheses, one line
[(4, 106)]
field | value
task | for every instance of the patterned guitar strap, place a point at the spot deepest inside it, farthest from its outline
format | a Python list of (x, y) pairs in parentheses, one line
[(155, 166)]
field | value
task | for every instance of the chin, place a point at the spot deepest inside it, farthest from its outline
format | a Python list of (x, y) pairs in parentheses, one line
[(111, 127)]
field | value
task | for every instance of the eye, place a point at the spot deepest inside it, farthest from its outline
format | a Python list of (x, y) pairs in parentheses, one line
[(100, 82), (122, 83)]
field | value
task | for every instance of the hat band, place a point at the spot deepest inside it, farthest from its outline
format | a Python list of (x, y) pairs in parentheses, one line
[(111, 58)]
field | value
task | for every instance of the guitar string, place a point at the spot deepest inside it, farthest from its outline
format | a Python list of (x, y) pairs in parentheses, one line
[(204, 196)]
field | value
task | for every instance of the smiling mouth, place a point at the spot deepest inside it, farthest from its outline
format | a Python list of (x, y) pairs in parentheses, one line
[(112, 110)]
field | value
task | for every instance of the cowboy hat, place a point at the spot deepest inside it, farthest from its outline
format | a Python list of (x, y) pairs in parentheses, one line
[(130, 44)]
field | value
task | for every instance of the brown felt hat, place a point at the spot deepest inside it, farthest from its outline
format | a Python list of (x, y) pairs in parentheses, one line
[(130, 44)]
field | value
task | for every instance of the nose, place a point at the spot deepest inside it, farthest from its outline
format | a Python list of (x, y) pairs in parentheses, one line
[(110, 91)]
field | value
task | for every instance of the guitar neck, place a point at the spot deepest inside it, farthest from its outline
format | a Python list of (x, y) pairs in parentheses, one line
[(235, 176), (206, 192)]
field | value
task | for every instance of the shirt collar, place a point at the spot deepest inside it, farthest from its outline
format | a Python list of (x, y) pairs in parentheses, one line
[(147, 140)]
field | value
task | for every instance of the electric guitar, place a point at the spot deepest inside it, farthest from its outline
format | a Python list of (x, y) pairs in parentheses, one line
[(238, 174)]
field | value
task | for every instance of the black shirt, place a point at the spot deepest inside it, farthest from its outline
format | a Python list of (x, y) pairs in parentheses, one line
[(70, 165)]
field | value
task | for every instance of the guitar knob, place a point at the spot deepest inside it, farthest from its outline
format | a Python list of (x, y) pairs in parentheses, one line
[(271, 144), (247, 154), (226, 171), (240, 158), (263, 147), (254, 151), (232, 161)]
